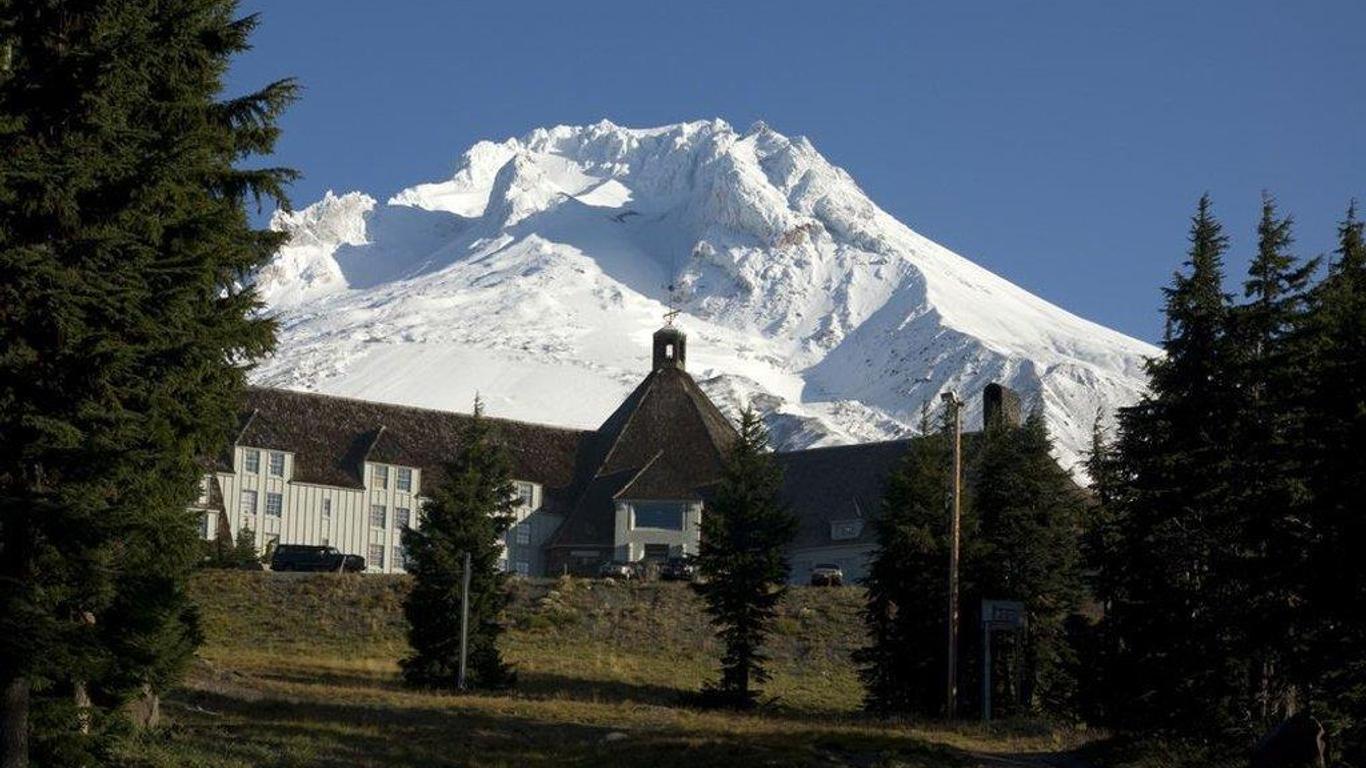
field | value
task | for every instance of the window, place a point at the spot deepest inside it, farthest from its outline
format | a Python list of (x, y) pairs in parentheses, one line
[(657, 552), (204, 526), (526, 494), (376, 559), (522, 568), (204, 490), (248, 503), (251, 461), (327, 509), (403, 517), (380, 477), (523, 533), (275, 504), (665, 515), (844, 530), (277, 464), (399, 557), (378, 515), (405, 479)]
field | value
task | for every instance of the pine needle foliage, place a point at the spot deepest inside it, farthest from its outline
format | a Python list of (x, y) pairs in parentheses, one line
[(466, 514), (126, 326), (743, 562)]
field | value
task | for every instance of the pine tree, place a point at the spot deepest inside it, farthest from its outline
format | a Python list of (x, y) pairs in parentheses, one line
[(125, 329), (1270, 562), (742, 559), (902, 668), (468, 513), (1029, 514), (1337, 475), (1169, 579)]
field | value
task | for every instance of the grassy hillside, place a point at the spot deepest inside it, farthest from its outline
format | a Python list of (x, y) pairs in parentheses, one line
[(301, 670)]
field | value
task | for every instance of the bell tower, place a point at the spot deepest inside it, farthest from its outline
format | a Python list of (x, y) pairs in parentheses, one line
[(670, 348)]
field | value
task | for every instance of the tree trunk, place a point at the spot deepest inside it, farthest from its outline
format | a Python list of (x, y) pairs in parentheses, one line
[(14, 700)]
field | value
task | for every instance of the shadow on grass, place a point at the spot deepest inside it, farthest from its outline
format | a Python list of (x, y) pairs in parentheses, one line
[(245, 728)]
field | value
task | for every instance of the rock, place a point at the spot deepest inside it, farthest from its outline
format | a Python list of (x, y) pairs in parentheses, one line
[(614, 736)]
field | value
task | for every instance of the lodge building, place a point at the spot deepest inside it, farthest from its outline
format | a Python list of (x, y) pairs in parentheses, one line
[(317, 469)]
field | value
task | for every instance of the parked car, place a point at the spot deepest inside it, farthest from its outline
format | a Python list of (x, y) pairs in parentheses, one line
[(622, 571), (826, 575), (678, 569), (304, 557)]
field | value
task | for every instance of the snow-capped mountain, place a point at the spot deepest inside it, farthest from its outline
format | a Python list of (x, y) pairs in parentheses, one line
[(537, 272)]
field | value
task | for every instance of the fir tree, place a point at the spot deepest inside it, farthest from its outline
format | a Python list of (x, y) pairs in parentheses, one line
[(1269, 564), (1029, 514), (1337, 475), (902, 668), (125, 329), (1168, 582), (742, 559), (468, 513)]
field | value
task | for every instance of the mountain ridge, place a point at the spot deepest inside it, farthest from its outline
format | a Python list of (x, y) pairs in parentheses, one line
[(537, 271)]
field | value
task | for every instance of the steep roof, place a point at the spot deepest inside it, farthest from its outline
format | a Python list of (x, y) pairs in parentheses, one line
[(331, 438), (666, 441), (840, 483)]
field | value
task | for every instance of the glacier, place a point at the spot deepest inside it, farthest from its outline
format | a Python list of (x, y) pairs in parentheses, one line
[(535, 275)]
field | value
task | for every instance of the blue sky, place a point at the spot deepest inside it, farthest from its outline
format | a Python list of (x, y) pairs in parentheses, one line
[(1060, 144)]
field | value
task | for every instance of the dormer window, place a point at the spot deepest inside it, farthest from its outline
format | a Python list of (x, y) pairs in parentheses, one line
[(660, 515), (845, 530)]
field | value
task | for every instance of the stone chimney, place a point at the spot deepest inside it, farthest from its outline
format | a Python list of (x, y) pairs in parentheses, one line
[(1000, 404)]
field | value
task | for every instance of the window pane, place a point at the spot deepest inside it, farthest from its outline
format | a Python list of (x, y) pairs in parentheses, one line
[(248, 502), (277, 464), (376, 559), (523, 534), (274, 504), (381, 477), (667, 515), (525, 494), (378, 513), (402, 517), (405, 479), (252, 461)]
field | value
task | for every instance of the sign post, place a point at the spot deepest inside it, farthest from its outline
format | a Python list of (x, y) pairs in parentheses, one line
[(996, 615), (955, 407), (464, 622)]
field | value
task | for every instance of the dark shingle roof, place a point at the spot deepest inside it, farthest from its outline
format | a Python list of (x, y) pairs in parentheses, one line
[(332, 437), (838, 483), (667, 425)]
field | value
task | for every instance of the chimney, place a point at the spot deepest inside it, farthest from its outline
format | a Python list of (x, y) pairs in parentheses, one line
[(671, 348), (1000, 405)]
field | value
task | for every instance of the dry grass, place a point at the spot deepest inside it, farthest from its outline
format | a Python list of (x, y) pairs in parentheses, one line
[(302, 671)]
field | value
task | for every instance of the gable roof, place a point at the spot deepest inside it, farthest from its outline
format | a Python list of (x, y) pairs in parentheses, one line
[(667, 440), (332, 438)]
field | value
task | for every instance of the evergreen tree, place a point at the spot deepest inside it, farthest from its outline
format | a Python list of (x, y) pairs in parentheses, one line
[(742, 559), (125, 329), (467, 513), (1270, 559), (902, 668), (1337, 475), (1029, 514), (1169, 591)]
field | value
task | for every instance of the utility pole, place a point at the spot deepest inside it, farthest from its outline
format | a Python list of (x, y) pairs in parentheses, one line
[(955, 408), (464, 622)]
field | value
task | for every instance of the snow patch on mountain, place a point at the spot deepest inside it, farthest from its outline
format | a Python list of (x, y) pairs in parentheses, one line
[(536, 273)]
